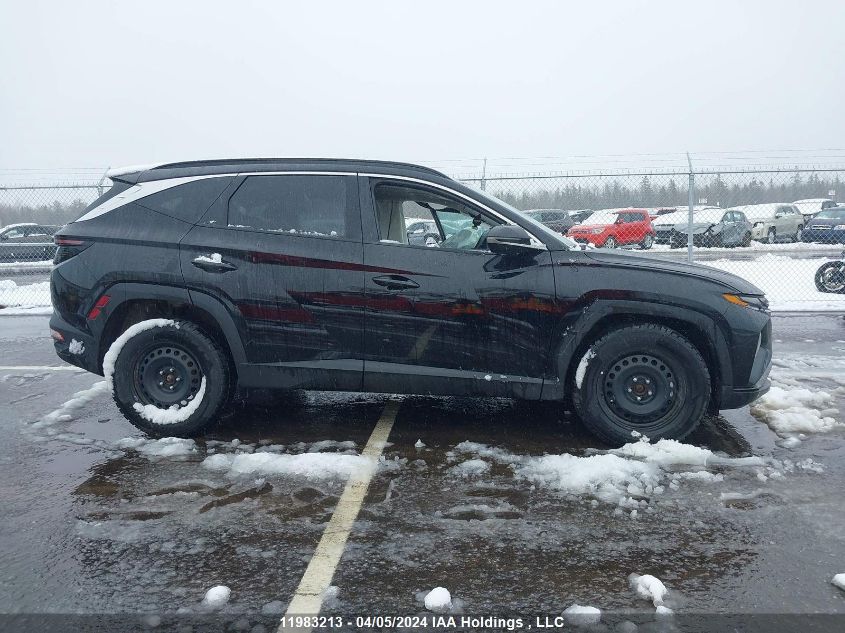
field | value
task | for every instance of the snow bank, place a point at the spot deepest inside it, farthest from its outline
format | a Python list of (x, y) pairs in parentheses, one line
[(796, 410), (217, 596), (839, 581), (438, 600), (27, 296), (470, 468), (165, 447), (310, 465), (648, 587)]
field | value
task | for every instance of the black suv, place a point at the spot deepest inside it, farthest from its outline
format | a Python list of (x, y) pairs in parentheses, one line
[(186, 280)]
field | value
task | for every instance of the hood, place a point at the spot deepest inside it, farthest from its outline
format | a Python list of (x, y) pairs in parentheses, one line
[(625, 259), (825, 221), (697, 227)]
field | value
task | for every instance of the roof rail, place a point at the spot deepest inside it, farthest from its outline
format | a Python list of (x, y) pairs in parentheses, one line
[(220, 162)]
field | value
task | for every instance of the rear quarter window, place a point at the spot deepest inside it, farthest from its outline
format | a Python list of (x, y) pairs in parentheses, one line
[(187, 202)]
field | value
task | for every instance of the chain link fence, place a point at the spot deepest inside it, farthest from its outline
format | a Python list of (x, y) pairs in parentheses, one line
[(774, 227)]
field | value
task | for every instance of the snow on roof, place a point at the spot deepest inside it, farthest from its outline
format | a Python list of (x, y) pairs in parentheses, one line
[(813, 200), (14, 226), (765, 210), (130, 169)]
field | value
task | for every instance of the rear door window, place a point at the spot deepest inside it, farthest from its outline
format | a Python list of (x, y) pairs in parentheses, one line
[(304, 205), (187, 202)]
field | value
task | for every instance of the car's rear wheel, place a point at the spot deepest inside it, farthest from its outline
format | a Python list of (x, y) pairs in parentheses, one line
[(610, 242), (169, 378), (644, 378), (830, 277), (746, 239), (771, 236), (648, 242)]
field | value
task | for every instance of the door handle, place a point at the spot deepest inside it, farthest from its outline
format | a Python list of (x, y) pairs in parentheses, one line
[(395, 282), (212, 265)]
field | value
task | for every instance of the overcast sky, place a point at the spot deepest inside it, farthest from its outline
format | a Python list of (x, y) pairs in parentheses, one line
[(111, 83)]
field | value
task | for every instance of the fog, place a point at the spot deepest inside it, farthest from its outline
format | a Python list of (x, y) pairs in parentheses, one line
[(103, 83)]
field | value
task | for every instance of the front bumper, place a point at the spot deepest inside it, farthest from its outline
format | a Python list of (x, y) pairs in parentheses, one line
[(588, 238), (736, 397), (828, 236), (82, 343)]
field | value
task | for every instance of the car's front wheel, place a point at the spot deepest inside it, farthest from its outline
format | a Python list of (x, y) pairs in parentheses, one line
[(648, 242), (168, 377), (610, 242), (644, 378)]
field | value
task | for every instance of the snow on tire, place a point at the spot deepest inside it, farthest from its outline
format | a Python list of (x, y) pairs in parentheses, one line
[(168, 377)]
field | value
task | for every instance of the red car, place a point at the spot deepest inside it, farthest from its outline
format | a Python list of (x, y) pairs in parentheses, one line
[(615, 227)]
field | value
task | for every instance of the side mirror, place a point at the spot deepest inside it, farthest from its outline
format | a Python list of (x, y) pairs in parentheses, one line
[(506, 239)]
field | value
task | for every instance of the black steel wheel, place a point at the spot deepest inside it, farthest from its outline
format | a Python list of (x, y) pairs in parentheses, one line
[(644, 378), (170, 366)]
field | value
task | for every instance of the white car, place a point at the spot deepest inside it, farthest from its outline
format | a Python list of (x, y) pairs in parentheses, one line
[(811, 206), (774, 221)]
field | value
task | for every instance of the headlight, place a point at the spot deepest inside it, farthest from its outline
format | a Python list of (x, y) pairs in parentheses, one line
[(754, 302), (839, 227)]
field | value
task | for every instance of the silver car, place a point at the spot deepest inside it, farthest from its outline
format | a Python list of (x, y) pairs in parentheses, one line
[(715, 227), (774, 221)]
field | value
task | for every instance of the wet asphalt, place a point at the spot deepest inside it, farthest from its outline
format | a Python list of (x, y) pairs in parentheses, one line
[(88, 527)]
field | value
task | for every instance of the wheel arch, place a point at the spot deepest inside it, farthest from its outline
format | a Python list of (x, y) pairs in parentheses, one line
[(138, 302), (697, 328)]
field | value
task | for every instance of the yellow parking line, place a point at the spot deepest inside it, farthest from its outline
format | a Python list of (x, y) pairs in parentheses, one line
[(308, 598)]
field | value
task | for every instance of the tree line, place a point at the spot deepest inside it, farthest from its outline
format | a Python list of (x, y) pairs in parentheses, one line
[(663, 191), (55, 214)]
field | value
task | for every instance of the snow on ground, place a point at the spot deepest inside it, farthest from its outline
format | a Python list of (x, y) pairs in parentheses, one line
[(790, 410), (438, 600), (648, 587), (839, 581), (629, 476), (77, 401), (788, 283), (14, 297), (165, 447), (310, 465), (217, 596), (470, 468), (579, 615)]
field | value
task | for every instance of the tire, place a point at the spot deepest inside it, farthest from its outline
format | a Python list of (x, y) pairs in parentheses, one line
[(672, 375), (712, 241), (610, 242), (830, 277), (798, 231), (193, 356), (648, 242), (746, 239), (771, 236)]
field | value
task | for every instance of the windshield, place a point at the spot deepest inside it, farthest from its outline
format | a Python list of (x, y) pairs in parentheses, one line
[(600, 217), (831, 214), (536, 227)]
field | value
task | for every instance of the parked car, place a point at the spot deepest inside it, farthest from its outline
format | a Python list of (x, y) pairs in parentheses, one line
[(26, 241), (579, 215), (557, 220), (827, 226), (186, 280), (773, 222), (714, 227), (615, 227), (664, 225), (423, 232), (811, 206)]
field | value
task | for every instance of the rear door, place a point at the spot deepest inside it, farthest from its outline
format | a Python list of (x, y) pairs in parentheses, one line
[(283, 253), (453, 318)]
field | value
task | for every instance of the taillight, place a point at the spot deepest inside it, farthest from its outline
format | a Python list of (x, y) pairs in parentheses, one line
[(102, 302), (68, 247)]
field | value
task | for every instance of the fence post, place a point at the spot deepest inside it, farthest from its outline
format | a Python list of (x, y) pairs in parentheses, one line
[(484, 175), (691, 204)]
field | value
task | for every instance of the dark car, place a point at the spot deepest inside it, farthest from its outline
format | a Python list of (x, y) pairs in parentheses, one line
[(186, 280), (714, 227), (27, 241), (827, 226), (557, 220)]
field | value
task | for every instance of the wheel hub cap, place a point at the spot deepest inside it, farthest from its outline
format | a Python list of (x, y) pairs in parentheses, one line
[(640, 387), (166, 375)]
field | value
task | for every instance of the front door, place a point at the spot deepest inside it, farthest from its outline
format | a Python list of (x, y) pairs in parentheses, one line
[(283, 252), (450, 316)]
